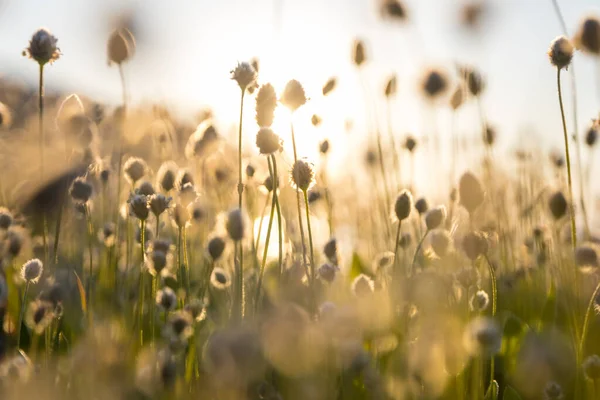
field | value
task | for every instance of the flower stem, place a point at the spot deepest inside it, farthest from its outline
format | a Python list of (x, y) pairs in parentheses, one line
[(568, 159), (417, 251), (264, 258), (301, 226), (278, 209), (494, 306), (153, 309), (586, 321), (90, 231), (310, 241), (141, 294), (157, 225), (239, 266), (21, 314)]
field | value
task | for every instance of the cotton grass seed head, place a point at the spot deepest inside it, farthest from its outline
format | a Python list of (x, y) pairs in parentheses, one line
[(215, 247), (358, 53), (245, 75), (138, 206), (293, 96), (482, 337), (220, 279), (40, 315), (553, 391), (6, 218), (159, 203), (316, 120), (587, 38), (558, 205), (32, 270), (591, 368), (303, 175), (479, 301), (134, 168), (470, 192), (435, 217), (165, 177), (166, 299), (561, 52), (403, 205), (235, 224), (42, 47), (267, 141), (120, 46)]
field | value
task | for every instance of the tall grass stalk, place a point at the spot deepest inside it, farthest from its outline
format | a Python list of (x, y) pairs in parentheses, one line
[(417, 251), (22, 314), (299, 209), (310, 240), (278, 209), (568, 161), (141, 294), (90, 233), (239, 249)]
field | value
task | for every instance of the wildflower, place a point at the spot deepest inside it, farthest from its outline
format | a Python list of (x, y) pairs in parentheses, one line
[(470, 192), (435, 217), (471, 13), (42, 47), (440, 241), (183, 178), (166, 299), (591, 368), (329, 86), (482, 337), (421, 206), (479, 301), (268, 183), (32, 270), (245, 75), (362, 285), (107, 234), (383, 260), (195, 309), (393, 9), (330, 251), (120, 46), (358, 55), (6, 218), (474, 80), (179, 326), (561, 52), (553, 391), (474, 244), (40, 315), (327, 272), (161, 245), (303, 175), (587, 37), (410, 143), (138, 206), (14, 241), (314, 195), (457, 98), (215, 248), (235, 225), (315, 120), (159, 203), (405, 240), (586, 256), (266, 102), (181, 215), (434, 83), (220, 279), (146, 189), (324, 147), (156, 262), (403, 205), (250, 170), (391, 86), (592, 134), (293, 96), (165, 177), (80, 190), (467, 277), (16, 369), (201, 141), (558, 205), (135, 169), (489, 135), (198, 210), (267, 141)]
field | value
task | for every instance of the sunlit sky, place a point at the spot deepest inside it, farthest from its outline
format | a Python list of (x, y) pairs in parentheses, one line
[(187, 48)]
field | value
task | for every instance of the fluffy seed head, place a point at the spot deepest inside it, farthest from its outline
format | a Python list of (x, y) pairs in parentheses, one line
[(482, 337), (403, 205), (479, 301), (42, 47), (324, 147), (107, 234), (179, 326), (5, 116), (410, 144), (235, 225), (181, 215), (393, 9), (591, 135), (362, 285), (474, 244), (157, 261), (330, 251), (220, 279), (80, 190), (138, 206), (440, 242), (120, 46), (135, 169), (267, 141), (159, 203), (434, 84), (358, 54), (166, 299), (303, 175), (293, 96), (215, 248), (435, 217), (245, 75), (145, 188), (558, 205), (405, 240), (39, 315), (165, 177), (561, 52), (470, 192), (591, 368), (587, 37), (315, 120), (474, 81), (421, 205), (329, 86), (327, 272), (553, 391), (32, 270), (266, 102), (6, 218), (457, 98), (586, 256), (391, 86)]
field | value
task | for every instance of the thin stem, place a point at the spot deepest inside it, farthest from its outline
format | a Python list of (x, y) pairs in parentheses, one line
[(278, 209), (494, 306), (418, 249), (90, 231), (264, 257), (310, 240), (157, 225), (186, 263), (239, 266), (298, 201), (262, 217), (586, 321), (397, 243), (21, 314), (393, 143), (240, 183), (153, 309), (568, 159), (41, 120), (142, 291)]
